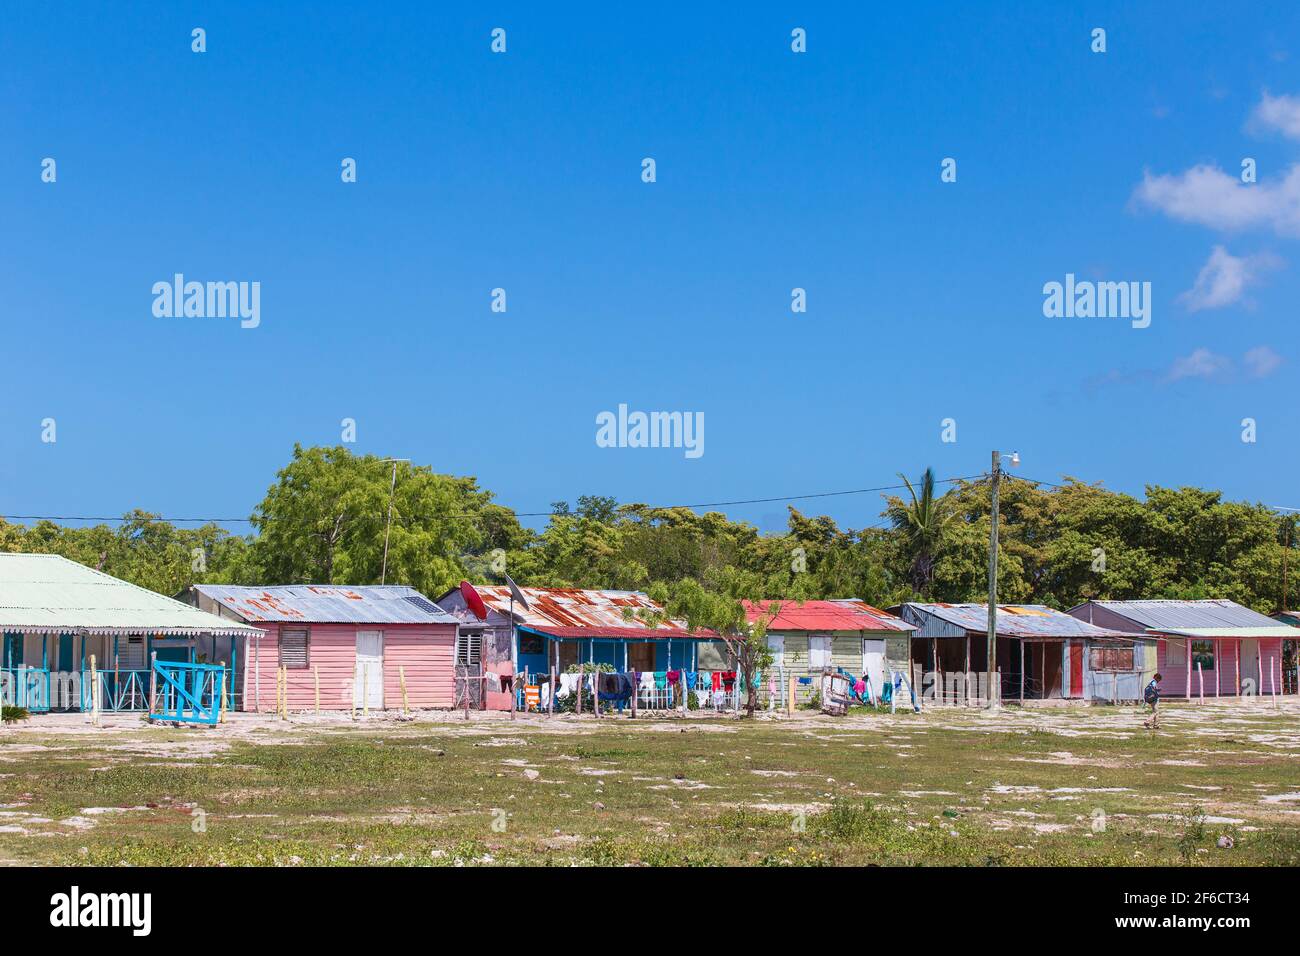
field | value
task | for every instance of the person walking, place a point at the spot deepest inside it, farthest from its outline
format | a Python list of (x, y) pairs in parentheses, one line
[(1152, 696)]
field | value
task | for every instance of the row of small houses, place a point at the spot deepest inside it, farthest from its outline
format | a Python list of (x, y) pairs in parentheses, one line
[(338, 647)]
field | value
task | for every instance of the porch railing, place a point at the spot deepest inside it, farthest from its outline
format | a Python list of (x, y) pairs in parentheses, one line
[(27, 687), (119, 690)]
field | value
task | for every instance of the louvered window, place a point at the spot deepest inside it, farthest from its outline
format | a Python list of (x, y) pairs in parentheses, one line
[(469, 647), (293, 647), (1111, 657)]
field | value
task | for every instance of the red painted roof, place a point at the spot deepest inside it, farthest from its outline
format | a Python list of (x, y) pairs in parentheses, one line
[(826, 616)]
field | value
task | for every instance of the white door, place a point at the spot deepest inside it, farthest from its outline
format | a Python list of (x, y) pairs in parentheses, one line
[(873, 664), (1250, 666), (776, 644), (368, 686)]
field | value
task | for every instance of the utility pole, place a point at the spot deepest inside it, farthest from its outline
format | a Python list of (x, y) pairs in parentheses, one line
[(994, 693), (383, 574)]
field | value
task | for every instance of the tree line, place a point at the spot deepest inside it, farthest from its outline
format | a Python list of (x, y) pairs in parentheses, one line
[(323, 521)]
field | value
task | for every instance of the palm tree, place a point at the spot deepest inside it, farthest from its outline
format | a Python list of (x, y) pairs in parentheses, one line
[(920, 525)]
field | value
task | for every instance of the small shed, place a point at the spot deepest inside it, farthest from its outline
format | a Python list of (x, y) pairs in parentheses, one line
[(359, 644), (1042, 653), (1215, 644), (808, 637)]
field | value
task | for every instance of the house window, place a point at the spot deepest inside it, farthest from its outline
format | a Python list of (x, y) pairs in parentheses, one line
[(1111, 656), (819, 651), (531, 644), (1203, 655), (469, 648), (293, 647), (132, 654), (1175, 651)]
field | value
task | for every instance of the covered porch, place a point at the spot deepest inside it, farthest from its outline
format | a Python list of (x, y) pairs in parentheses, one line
[(663, 668), (1200, 663), (46, 670)]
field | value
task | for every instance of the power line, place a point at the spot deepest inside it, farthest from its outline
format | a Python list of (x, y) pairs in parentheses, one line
[(517, 514)]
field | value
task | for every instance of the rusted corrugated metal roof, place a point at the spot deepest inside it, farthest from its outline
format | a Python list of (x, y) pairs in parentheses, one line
[(327, 604), (1017, 620), (841, 615), (576, 612)]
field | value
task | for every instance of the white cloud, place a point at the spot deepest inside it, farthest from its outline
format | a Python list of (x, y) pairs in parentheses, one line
[(1202, 363), (1281, 113), (1262, 361), (1208, 196), (1224, 277)]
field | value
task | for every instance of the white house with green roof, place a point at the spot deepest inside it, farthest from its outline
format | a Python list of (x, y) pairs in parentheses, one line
[(57, 616)]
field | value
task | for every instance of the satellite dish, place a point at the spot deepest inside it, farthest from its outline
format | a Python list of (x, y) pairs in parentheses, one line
[(473, 600)]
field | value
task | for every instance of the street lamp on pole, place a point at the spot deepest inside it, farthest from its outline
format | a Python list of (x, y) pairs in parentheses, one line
[(994, 691), (383, 574)]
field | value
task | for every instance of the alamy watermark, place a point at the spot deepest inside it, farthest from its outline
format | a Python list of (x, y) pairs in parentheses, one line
[(1102, 300), (651, 430), (209, 300)]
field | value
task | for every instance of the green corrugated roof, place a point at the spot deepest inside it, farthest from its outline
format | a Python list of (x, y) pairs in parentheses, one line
[(47, 593)]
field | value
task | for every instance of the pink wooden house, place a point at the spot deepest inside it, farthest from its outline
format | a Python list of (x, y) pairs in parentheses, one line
[(1215, 647), (354, 646)]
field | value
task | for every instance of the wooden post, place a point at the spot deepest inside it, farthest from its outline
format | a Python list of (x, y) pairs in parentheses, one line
[(1187, 644), (789, 699), (1114, 688), (401, 677), (153, 681), (257, 666), (938, 672), (582, 679), (467, 692), (634, 695), (221, 706), (94, 692), (513, 693), (1259, 671), (1237, 668), (1022, 672), (968, 668), (315, 673), (1218, 665), (1200, 676), (1272, 683), (550, 700), (595, 691)]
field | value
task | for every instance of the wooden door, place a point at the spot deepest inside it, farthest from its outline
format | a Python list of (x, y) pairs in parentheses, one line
[(1076, 668), (368, 683)]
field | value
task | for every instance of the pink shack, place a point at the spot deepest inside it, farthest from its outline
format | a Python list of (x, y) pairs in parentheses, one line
[(358, 644), (1215, 647)]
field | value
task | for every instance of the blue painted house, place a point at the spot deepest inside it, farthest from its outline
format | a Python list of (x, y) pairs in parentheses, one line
[(563, 626)]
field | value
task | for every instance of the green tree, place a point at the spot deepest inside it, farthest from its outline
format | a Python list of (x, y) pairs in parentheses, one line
[(920, 525)]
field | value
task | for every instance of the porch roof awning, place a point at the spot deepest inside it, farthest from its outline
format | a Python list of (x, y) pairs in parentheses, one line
[(1281, 630), (100, 630), (48, 594)]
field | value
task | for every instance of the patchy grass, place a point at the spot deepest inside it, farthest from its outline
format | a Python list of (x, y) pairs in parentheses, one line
[(1047, 787)]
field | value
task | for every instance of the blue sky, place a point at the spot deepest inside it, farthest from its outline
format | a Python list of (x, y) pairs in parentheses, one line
[(522, 170)]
